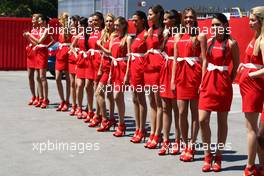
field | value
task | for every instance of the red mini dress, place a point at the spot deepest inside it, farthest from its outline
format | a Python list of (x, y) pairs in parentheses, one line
[(251, 89), (153, 60), (119, 63), (41, 51), (94, 55), (62, 55), (138, 49), (216, 91), (31, 57), (82, 61), (188, 68), (166, 70), (106, 66), (72, 59)]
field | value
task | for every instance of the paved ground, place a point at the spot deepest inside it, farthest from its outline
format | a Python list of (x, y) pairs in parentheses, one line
[(25, 130)]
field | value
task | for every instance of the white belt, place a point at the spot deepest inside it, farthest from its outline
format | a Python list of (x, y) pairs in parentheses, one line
[(64, 44), (134, 55), (83, 53), (154, 51), (189, 60), (115, 60), (212, 67), (92, 51), (165, 55), (40, 46), (250, 65)]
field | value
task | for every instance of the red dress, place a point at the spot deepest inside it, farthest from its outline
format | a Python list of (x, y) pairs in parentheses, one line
[(106, 65), (216, 91), (153, 60), (41, 51), (31, 57), (166, 70), (94, 56), (72, 59), (62, 55), (251, 89), (138, 49), (119, 65), (82, 61), (188, 69)]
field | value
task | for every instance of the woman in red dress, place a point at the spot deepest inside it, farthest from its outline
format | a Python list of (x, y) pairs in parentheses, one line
[(216, 92), (190, 49), (81, 41), (103, 75), (118, 48), (135, 73), (62, 57), (72, 62), (94, 58), (172, 23), (153, 63), (251, 84), (41, 50), (31, 60)]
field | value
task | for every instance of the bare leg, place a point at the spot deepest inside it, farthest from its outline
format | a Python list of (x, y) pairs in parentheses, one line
[(142, 110), (159, 113), (73, 88), (68, 87), (31, 81), (136, 109), (183, 115), (153, 112), (120, 103), (90, 94), (40, 87), (222, 130), (195, 121), (167, 119), (80, 87), (44, 82), (59, 85), (204, 119), (176, 119)]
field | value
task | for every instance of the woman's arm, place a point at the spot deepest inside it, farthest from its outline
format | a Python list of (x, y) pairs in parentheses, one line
[(203, 44), (129, 42), (176, 39), (235, 58), (259, 73), (41, 39)]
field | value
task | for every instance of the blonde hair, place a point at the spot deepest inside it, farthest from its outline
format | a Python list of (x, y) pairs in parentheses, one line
[(259, 13), (64, 21), (106, 32)]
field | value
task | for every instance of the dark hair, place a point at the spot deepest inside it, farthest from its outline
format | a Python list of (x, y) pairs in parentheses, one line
[(187, 10), (44, 18), (223, 19), (142, 16), (158, 9), (101, 17), (75, 17), (176, 17), (84, 24), (123, 21)]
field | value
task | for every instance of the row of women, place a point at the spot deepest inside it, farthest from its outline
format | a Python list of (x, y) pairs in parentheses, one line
[(194, 72)]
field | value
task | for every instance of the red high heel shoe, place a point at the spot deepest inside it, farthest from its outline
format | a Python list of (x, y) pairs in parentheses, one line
[(44, 104), (95, 121), (79, 113), (250, 171), (120, 131), (60, 106), (184, 151), (112, 122), (176, 147), (31, 101), (89, 116), (164, 148), (39, 102), (134, 136), (149, 140), (154, 143), (65, 107), (216, 167), (141, 135), (104, 126), (36, 101), (73, 110), (189, 155), (207, 163)]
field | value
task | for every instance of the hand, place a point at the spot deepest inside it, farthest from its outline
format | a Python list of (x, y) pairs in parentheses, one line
[(251, 75), (98, 42), (240, 67)]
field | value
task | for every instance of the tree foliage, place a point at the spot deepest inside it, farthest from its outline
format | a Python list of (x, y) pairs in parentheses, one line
[(25, 8)]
